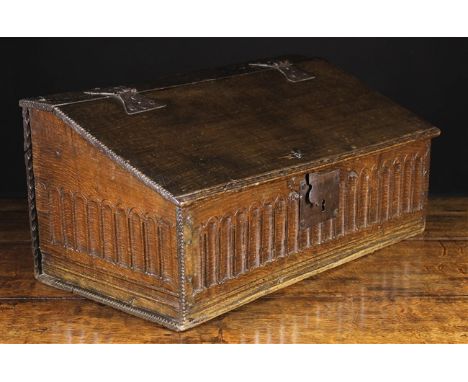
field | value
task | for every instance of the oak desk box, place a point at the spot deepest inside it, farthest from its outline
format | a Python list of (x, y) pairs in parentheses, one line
[(184, 199)]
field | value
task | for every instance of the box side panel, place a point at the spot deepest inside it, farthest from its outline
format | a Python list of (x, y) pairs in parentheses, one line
[(248, 243), (100, 228)]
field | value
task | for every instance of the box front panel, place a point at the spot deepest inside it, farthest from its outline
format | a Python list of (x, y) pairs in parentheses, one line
[(99, 227), (245, 243)]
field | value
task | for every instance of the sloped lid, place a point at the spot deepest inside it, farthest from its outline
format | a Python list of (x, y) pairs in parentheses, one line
[(241, 126)]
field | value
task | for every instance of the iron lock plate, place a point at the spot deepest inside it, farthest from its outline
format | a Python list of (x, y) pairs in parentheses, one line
[(319, 198)]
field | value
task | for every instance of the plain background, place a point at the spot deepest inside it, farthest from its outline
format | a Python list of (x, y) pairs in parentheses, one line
[(428, 76)]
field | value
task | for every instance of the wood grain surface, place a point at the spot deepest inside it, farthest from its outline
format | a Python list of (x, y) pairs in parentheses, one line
[(110, 236), (415, 291)]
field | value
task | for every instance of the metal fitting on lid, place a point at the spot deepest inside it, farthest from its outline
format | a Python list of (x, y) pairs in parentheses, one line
[(288, 69), (132, 101)]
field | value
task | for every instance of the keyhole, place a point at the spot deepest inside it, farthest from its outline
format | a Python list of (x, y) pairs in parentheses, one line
[(323, 205)]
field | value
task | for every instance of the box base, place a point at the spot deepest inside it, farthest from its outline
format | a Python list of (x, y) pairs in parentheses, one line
[(95, 296), (346, 255)]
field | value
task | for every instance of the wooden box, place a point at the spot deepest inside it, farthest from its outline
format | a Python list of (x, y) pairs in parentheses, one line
[(187, 198)]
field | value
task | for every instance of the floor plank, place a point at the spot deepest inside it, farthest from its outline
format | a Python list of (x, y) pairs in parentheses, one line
[(83, 321), (447, 219), (17, 274), (350, 320), (290, 320), (17, 204), (14, 226), (406, 269)]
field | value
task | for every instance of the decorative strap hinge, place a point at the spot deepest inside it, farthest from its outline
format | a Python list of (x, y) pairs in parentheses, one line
[(132, 101), (287, 69)]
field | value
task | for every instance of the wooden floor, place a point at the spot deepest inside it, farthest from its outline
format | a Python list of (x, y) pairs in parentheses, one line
[(415, 291)]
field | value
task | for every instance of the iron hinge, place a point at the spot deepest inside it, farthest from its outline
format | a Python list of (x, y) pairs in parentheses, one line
[(288, 69), (132, 101)]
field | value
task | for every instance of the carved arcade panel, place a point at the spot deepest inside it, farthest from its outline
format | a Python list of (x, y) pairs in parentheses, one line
[(120, 235), (251, 237)]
